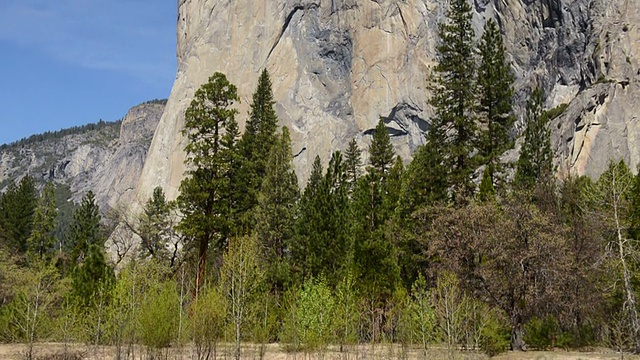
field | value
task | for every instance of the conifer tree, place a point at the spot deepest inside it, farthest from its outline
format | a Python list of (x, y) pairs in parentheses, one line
[(454, 98), (90, 271), (275, 214), (353, 162), (85, 228), (487, 191), (381, 151), (204, 193), (320, 247), (495, 86), (17, 207), (535, 164), (374, 200), (256, 142), (425, 182), (303, 256), (42, 240), (156, 227)]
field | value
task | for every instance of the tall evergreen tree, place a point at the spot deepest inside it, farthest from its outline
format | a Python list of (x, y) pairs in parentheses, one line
[(374, 200), (204, 193), (155, 226), (42, 240), (353, 162), (535, 164), (303, 254), (495, 86), (425, 182), (90, 271), (17, 208), (454, 98), (256, 142), (275, 214), (381, 151), (85, 228), (320, 247)]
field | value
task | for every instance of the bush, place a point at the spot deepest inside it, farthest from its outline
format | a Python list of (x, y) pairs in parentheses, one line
[(158, 317), (308, 322), (495, 335), (541, 333), (208, 322)]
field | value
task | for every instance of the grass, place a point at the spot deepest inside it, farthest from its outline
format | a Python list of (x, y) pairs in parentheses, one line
[(275, 352)]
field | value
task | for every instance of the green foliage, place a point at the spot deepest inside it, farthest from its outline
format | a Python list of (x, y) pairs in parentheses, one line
[(557, 111), (256, 143), (158, 316), (85, 228), (346, 314), (310, 322), (381, 151), (454, 101), (541, 334), (17, 208), (41, 242), (36, 292), (321, 246), (92, 277), (241, 277), (486, 190), (57, 135), (495, 334), (419, 318), (156, 102), (156, 228), (374, 201), (208, 321), (353, 163), (535, 164), (276, 210), (495, 84), (205, 192)]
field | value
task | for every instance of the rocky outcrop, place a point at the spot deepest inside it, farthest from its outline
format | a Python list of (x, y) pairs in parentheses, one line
[(106, 158), (339, 65)]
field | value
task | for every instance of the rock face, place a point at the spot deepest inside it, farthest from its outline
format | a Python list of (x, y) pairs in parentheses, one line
[(106, 158), (337, 66)]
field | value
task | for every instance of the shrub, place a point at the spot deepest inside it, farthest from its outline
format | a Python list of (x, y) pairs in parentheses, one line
[(158, 317)]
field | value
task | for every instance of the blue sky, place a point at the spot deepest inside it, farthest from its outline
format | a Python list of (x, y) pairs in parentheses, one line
[(72, 62)]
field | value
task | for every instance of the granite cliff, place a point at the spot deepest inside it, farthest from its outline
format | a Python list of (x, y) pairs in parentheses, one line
[(339, 65), (106, 158)]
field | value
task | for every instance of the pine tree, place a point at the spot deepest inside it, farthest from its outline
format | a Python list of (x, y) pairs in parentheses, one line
[(275, 214), (256, 142), (353, 162), (303, 255), (374, 200), (42, 241), (495, 86), (17, 208), (425, 182), (454, 98), (535, 164), (204, 193), (85, 229), (381, 151), (155, 226), (320, 246), (486, 191), (90, 271)]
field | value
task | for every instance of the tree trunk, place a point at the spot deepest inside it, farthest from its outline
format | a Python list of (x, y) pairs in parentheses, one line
[(202, 264), (517, 341)]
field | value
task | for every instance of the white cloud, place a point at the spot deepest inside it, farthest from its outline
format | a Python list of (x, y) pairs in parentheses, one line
[(130, 36)]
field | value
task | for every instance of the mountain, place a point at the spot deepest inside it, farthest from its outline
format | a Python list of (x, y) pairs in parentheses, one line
[(339, 65), (106, 158)]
